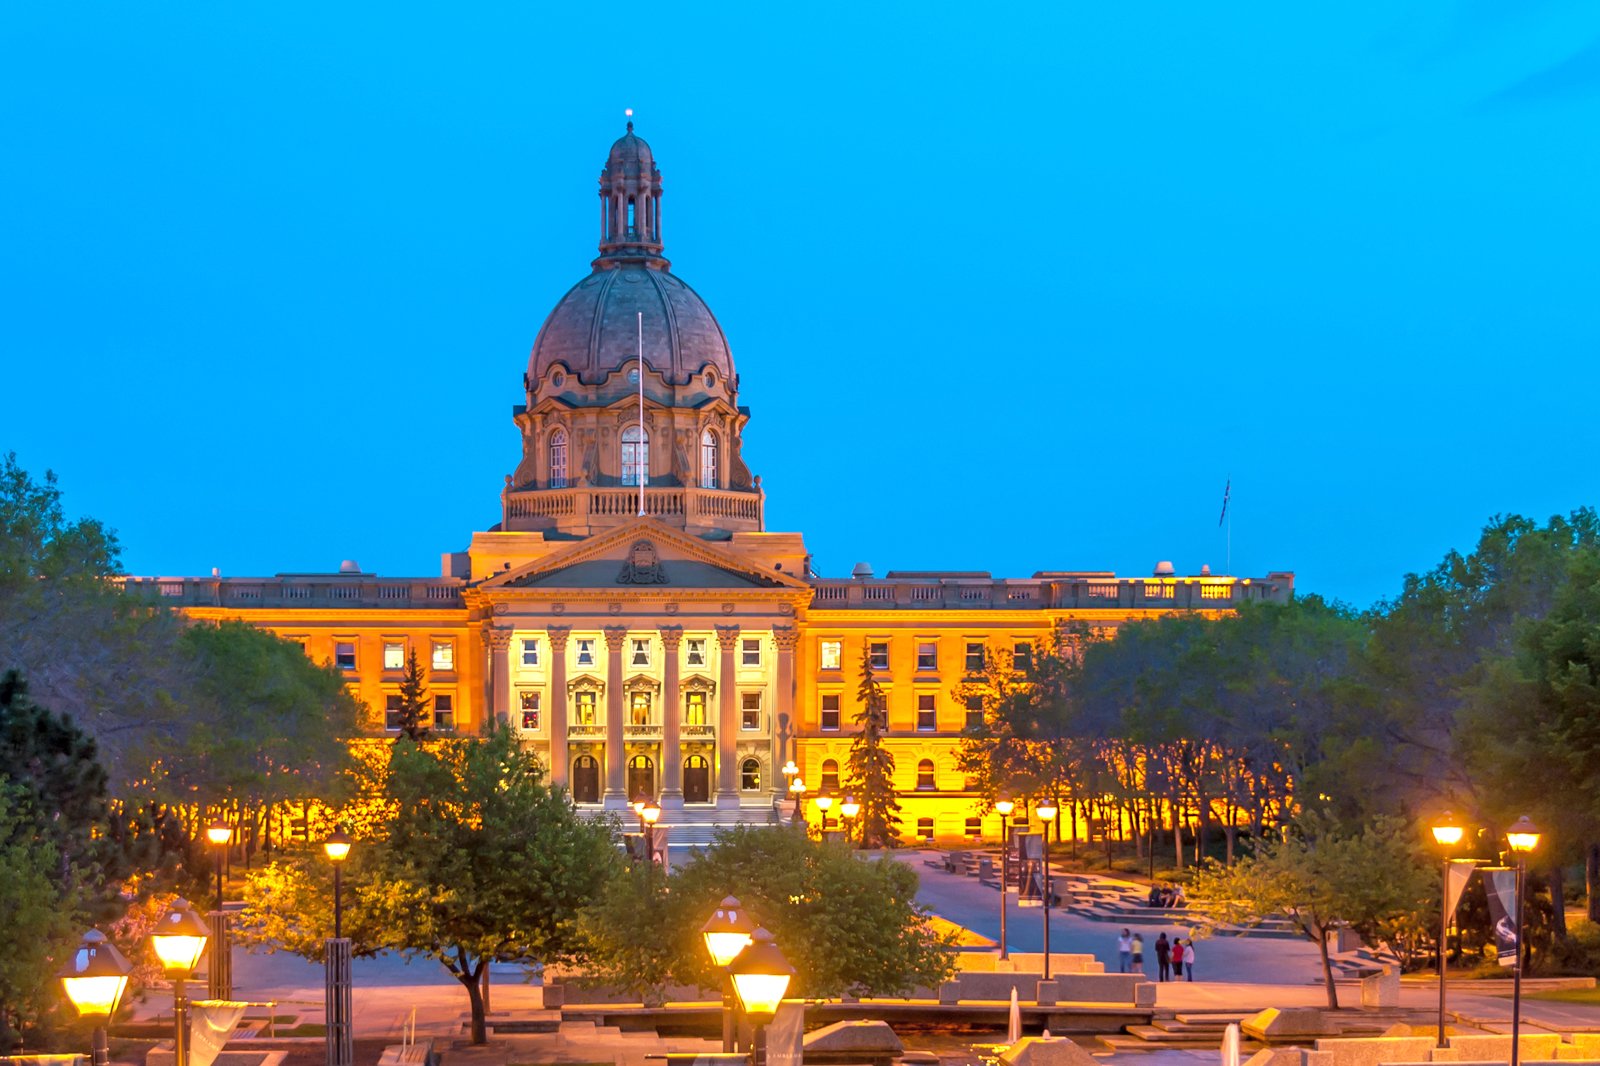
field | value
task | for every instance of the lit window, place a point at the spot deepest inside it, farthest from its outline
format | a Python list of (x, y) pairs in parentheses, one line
[(585, 651), (925, 775), (641, 652), (974, 712), (694, 708), (830, 775), (639, 708), (830, 655), (394, 656), (583, 708), (1021, 655), (750, 711), (391, 713), (974, 658), (927, 718), (444, 713), (830, 711), (697, 651), (530, 709), (635, 456), (974, 827), (530, 653), (558, 458), (925, 828), (878, 654), (927, 655), (344, 655), (444, 655), (708, 459), (750, 651), (750, 775)]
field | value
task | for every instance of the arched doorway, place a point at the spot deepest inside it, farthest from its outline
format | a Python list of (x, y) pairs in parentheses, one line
[(585, 780), (696, 780), (641, 778)]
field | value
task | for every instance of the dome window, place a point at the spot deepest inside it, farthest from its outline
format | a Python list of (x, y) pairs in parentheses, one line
[(558, 379), (709, 456), (635, 456), (558, 459), (711, 379)]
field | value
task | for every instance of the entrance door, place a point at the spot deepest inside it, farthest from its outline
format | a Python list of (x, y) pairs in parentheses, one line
[(585, 779), (641, 778), (696, 780)]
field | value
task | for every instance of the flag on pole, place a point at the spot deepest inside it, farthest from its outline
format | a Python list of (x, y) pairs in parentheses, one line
[(1226, 489)]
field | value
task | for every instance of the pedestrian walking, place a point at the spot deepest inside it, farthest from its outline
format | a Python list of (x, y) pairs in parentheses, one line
[(1138, 953), (1163, 958), (1124, 951), (1177, 959), (1188, 957)]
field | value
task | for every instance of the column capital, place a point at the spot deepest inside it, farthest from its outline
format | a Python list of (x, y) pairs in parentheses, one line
[(671, 637), (615, 636), (786, 637), (558, 637), (728, 637), (499, 639)]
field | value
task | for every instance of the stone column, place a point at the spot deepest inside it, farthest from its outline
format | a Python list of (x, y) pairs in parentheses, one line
[(499, 675), (786, 637), (728, 720), (555, 715), (616, 795), (671, 720)]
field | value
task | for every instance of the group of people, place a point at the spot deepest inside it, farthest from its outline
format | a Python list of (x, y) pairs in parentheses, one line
[(1174, 958), (1167, 896)]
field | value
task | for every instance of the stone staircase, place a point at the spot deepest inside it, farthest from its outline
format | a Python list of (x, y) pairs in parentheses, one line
[(1181, 1030)]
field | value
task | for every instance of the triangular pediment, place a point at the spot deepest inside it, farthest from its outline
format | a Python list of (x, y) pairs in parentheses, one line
[(643, 556)]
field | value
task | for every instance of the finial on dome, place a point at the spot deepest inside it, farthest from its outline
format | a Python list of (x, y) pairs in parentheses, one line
[(628, 113)]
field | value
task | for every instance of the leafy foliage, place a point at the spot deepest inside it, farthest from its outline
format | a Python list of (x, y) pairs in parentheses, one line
[(42, 912)]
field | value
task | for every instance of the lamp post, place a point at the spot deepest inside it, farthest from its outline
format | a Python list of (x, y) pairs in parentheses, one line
[(824, 804), (1447, 834), (1047, 811), (797, 789), (761, 977), (179, 939), (848, 809), (649, 811), (1005, 806), (339, 1036), (219, 976), (94, 979), (727, 932), (1523, 836), (790, 771)]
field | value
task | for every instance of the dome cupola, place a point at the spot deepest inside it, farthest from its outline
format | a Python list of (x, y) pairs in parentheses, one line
[(630, 205)]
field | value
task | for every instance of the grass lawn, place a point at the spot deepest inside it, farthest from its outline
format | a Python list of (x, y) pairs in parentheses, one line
[(1567, 995)]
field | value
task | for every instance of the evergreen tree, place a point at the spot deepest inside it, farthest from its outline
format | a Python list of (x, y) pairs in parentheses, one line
[(871, 765), (414, 700)]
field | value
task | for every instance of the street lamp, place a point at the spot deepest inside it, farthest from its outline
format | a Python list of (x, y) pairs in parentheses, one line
[(761, 977), (179, 939), (1047, 811), (219, 976), (1005, 806), (848, 809), (824, 804), (339, 1037), (94, 979), (797, 789), (1447, 834), (727, 932), (1523, 836), (649, 811)]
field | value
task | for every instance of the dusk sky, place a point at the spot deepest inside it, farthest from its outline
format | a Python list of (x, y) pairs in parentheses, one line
[(1009, 288)]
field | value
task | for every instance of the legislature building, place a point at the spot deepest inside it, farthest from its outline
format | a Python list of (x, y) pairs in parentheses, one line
[(632, 616)]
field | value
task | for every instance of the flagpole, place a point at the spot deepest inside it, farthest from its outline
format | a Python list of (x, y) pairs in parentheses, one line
[(642, 456)]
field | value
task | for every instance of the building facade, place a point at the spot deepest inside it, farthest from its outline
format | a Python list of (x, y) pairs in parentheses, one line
[(631, 616)]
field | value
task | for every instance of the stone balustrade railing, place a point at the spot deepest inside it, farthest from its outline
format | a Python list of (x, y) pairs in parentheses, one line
[(968, 593), (316, 590)]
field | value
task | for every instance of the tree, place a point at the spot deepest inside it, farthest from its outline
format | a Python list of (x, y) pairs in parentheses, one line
[(1321, 878), (871, 764), (479, 861), (33, 899), (413, 710)]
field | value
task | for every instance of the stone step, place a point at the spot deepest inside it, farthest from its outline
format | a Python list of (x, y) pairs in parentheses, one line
[(1221, 1017), (1172, 1025), (1154, 1034)]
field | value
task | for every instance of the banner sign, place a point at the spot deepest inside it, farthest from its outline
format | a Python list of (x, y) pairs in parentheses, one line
[(1457, 874), (786, 1034), (1029, 869), (1500, 883), (211, 1022)]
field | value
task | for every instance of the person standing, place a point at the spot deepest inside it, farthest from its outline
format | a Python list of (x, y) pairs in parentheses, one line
[(1137, 945), (1188, 957), (1163, 958), (1124, 951), (1177, 959)]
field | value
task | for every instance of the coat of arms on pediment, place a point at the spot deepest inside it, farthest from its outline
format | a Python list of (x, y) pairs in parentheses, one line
[(643, 566)]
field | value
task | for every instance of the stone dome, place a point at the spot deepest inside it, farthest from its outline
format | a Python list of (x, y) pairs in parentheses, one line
[(594, 330)]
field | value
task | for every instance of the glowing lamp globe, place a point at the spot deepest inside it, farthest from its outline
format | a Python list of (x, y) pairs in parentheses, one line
[(1047, 810), (849, 808), (337, 846), (650, 812), (1523, 836), (727, 932), (790, 769), (1447, 833), (95, 976), (824, 803), (761, 976), (1005, 806), (179, 939), (219, 833), (797, 786)]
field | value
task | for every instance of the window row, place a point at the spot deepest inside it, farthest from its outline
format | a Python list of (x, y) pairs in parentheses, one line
[(828, 781), (635, 458), (584, 778), (440, 716), (831, 655), (638, 711), (639, 651), (441, 658), (927, 712)]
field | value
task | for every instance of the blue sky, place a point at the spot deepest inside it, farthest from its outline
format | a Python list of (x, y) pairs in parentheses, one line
[(1009, 287)]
